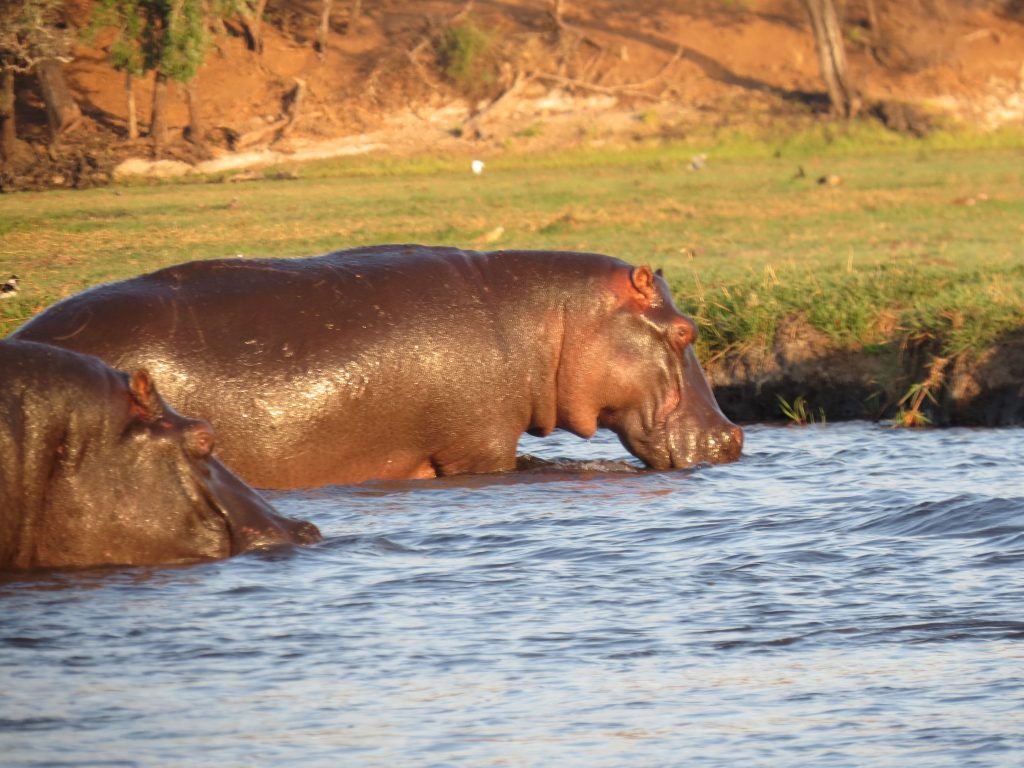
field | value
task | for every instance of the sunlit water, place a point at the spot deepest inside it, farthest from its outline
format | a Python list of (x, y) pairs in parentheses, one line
[(845, 595)]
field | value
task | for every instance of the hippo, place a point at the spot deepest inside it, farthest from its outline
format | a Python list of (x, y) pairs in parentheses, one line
[(96, 469), (407, 361)]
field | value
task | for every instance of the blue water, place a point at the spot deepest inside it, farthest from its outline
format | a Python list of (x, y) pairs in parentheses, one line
[(844, 595)]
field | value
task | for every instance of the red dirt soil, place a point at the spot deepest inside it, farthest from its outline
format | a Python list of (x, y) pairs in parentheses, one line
[(683, 61)]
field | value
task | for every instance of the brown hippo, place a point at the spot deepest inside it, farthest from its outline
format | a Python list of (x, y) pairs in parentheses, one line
[(96, 469), (407, 361)]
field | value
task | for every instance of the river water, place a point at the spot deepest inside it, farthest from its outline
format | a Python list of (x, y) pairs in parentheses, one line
[(844, 595)]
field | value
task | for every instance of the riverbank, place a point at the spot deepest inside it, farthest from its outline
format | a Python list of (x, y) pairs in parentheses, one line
[(832, 269)]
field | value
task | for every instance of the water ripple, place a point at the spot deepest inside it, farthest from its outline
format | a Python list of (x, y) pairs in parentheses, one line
[(844, 595)]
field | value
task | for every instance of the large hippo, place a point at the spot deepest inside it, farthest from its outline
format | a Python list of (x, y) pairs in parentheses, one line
[(407, 361), (96, 469)]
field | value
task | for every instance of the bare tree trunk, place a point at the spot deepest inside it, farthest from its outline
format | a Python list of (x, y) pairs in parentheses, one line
[(129, 95), (556, 14), (158, 123), (828, 38), (8, 126), (325, 26), (195, 122), (353, 16), (872, 17), (61, 108), (252, 23), (874, 32)]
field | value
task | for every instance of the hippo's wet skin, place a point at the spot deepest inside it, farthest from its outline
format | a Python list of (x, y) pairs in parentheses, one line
[(96, 469), (407, 361)]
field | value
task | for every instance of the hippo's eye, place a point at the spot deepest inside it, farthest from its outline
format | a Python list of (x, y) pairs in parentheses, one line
[(685, 333), (199, 439)]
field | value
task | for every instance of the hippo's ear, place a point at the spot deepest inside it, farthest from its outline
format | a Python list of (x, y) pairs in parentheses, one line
[(643, 281), (659, 272), (146, 402)]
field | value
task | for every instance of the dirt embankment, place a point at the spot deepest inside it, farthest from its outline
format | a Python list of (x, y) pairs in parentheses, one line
[(418, 76), (803, 375)]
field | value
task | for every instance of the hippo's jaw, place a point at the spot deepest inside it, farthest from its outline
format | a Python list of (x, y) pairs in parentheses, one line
[(251, 522), (677, 443)]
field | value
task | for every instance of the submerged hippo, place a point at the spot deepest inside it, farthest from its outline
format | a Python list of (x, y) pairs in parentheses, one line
[(96, 469), (407, 361)]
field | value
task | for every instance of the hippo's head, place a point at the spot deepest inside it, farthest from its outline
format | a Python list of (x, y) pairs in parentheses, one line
[(644, 381), (110, 474), (175, 448)]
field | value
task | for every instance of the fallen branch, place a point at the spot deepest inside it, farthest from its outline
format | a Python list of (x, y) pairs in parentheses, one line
[(616, 90), (413, 53), (633, 89), (520, 80), (420, 69), (562, 27), (281, 127)]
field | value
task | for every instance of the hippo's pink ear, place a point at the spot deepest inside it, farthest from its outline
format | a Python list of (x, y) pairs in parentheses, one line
[(145, 400), (643, 281)]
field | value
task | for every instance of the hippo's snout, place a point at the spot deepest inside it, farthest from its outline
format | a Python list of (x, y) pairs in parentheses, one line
[(731, 443), (718, 445), (303, 532)]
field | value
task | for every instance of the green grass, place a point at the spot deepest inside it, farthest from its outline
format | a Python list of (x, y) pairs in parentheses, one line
[(892, 253)]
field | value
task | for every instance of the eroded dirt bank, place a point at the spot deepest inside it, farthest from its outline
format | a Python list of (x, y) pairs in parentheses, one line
[(651, 67), (822, 382)]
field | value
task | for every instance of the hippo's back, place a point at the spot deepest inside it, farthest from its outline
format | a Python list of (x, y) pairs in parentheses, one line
[(365, 356)]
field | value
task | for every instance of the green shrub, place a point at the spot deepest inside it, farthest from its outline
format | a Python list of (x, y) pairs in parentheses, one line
[(468, 56)]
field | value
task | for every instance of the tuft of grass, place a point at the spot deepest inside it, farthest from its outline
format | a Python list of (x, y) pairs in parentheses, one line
[(531, 131), (909, 413), (798, 413)]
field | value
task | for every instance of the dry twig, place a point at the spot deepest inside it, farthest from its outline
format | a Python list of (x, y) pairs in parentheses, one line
[(633, 89)]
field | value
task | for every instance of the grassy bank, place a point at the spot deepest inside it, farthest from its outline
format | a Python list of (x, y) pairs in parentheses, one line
[(919, 238)]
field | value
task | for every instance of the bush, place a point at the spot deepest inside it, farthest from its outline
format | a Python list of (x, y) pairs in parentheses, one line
[(468, 56)]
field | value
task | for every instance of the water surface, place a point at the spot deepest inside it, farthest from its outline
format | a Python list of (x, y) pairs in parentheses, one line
[(843, 595)]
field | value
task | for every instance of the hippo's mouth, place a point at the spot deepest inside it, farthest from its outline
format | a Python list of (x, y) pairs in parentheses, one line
[(720, 445), (666, 446), (251, 522)]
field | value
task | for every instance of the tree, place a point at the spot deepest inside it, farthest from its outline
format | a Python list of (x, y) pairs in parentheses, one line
[(126, 51), (8, 124), (62, 111), (32, 40), (325, 26), (182, 50), (166, 37), (354, 12), (828, 38), (250, 13)]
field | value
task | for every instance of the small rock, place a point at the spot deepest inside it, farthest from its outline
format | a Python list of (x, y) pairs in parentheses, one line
[(493, 236)]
